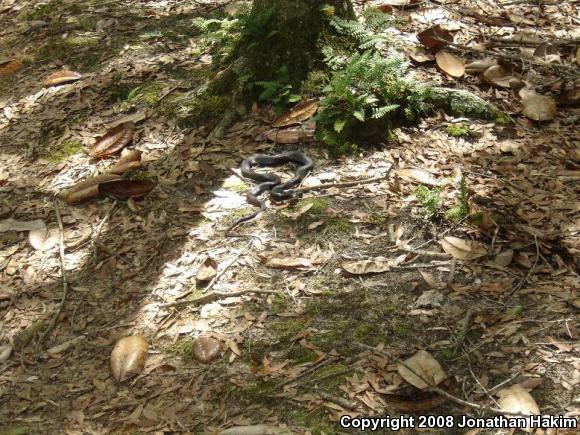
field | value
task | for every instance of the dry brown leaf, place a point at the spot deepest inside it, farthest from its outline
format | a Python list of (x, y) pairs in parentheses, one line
[(291, 135), (578, 56), (421, 401), (123, 190), (479, 66), (260, 429), (129, 161), (113, 140), (299, 113), (418, 175), (420, 55), (517, 399), (376, 265), (450, 64), (288, 262), (10, 67), (497, 76), (61, 77), (547, 53), (206, 349), (86, 190), (435, 37), (569, 97), (538, 107), (424, 365), (128, 357), (462, 249), (18, 225), (43, 239), (504, 258), (207, 270)]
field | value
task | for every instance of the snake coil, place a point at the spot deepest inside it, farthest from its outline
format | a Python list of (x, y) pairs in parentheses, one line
[(271, 182)]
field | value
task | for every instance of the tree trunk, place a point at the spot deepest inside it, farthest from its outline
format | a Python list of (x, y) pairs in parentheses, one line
[(285, 43)]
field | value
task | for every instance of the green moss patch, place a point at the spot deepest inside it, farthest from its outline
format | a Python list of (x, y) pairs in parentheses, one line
[(63, 151)]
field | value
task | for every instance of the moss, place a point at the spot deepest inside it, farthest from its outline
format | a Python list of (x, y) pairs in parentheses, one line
[(503, 118), (235, 185), (279, 304), (329, 377), (338, 225), (458, 130), (255, 393), (80, 41), (24, 337), (147, 93), (182, 348), (315, 83), (204, 108), (286, 330), (316, 421), (301, 355), (63, 151)]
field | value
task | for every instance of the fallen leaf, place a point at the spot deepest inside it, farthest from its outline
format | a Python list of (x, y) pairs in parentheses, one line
[(517, 399), (207, 270), (291, 135), (299, 113), (128, 357), (547, 53), (479, 66), (420, 55), (418, 175), (288, 263), (43, 239), (129, 161), (376, 265), (435, 37), (538, 107), (86, 189), (462, 249), (10, 67), (123, 190), (423, 364), (61, 77), (5, 352), (504, 258), (450, 64), (497, 76), (16, 225), (113, 140), (421, 401), (206, 349)]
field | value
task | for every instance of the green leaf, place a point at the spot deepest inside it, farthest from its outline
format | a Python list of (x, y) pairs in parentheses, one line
[(360, 115), (339, 125)]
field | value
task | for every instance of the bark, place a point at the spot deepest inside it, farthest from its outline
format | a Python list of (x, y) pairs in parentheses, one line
[(287, 38)]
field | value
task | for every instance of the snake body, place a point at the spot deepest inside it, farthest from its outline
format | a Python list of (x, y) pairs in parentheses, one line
[(271, 182)]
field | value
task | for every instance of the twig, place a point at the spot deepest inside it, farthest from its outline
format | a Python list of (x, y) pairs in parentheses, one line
[(344, 184), (96, 242), (442, 255), (485, 390), (341, 401), (214, 296), (523, 281), (465, 325), (440, 391), (64, 279)]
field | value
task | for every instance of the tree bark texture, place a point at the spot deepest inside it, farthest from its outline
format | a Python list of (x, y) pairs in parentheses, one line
[(288, 38)]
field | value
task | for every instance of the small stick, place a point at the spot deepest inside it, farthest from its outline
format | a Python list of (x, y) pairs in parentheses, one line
[(214, 296), (523, 281), (465, 325), (63, 275), (433, 254), (343, 184), (341, 401)]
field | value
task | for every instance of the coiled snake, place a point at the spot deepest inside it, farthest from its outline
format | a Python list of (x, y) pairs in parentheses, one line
[(271, 182)]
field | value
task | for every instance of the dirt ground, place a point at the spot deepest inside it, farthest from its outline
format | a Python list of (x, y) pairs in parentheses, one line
[(293, 337)]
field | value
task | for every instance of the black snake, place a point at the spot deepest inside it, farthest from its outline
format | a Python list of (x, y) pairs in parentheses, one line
[(271, 182)]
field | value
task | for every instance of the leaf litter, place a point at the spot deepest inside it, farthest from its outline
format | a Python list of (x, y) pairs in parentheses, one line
[(513, 261)]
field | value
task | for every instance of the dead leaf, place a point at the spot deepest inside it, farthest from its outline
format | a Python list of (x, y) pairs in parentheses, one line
[(376, 265), (538, 107), (418, 175), (129, 161), (206, 349), (10, 67), (450, 64), (479, 66), (288, 263), (569, 97), (113, 140), (128, 357), (294, 216), (547, 53), (17, 225), (420, 55), (504, 258), (291, 135), (497, 76), (43, 239), (435, 37), (207, 270), (462, 249), (517, 399), (421, 401), (61, 77), (123, 190), (423, 364), (299, 113), (5, 352), (260, 429), (86, 189)]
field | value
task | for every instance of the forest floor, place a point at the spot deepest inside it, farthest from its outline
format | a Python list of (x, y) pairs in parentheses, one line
[(293, 359)]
